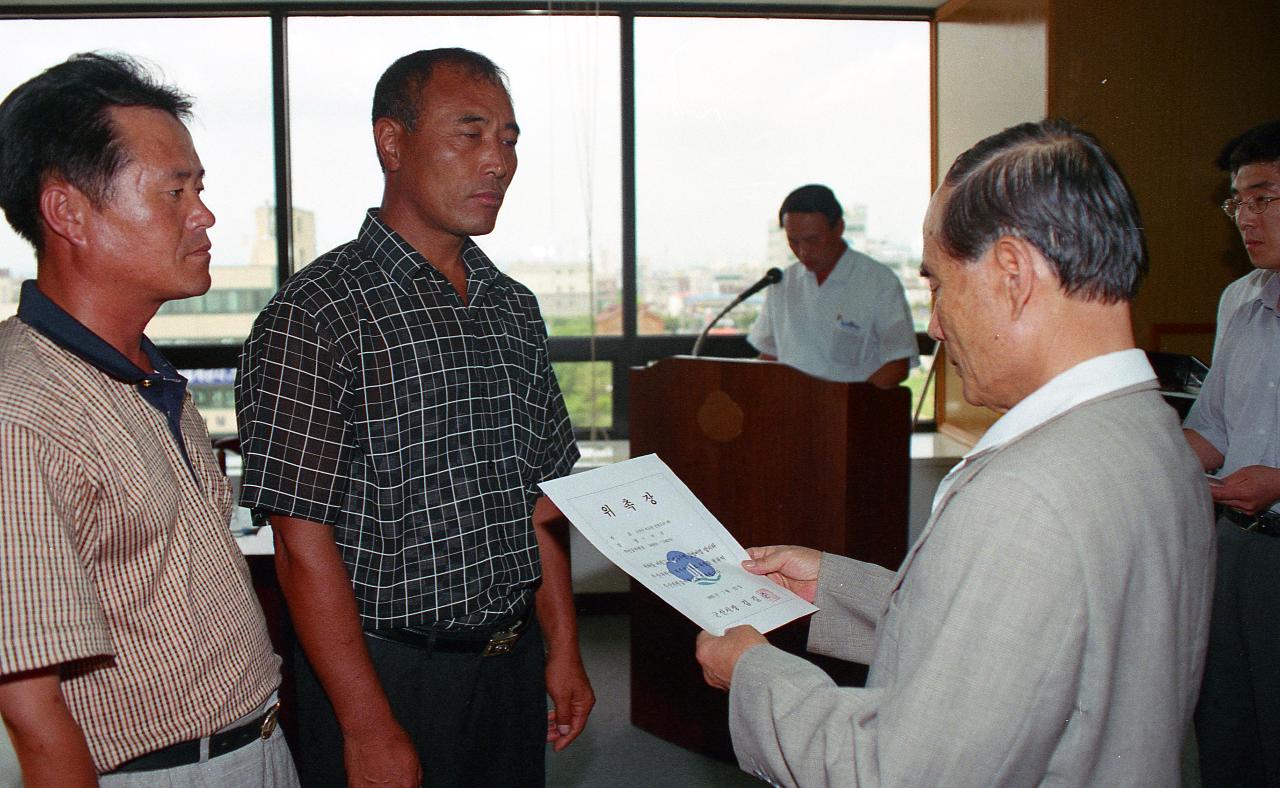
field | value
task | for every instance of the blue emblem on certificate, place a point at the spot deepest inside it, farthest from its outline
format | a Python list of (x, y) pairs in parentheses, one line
[(691, 568), (644, 519)]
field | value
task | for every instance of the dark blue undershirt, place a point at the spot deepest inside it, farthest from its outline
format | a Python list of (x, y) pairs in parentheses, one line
[(164, 389)]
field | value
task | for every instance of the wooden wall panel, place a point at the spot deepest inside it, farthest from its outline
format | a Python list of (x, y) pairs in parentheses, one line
[(1163, 85)]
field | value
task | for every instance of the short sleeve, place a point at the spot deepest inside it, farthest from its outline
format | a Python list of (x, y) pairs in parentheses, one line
[(292, 401), (1207, 416), (761, 335), (894, 328), (50, 613), (560, 449)]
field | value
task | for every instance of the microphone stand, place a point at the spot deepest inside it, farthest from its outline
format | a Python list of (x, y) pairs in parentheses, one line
[(771, 277), (702, 338), (924, 391)]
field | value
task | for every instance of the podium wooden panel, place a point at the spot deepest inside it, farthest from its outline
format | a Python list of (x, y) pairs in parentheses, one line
[(779, 457)]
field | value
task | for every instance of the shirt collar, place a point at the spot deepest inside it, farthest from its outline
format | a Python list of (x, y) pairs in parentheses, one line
[(403, 263), (1088, 380), (42, 314), (1270, 293), (842, 270)]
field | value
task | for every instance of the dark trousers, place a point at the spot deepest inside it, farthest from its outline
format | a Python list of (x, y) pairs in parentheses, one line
[(475, 720), (1238, 716)]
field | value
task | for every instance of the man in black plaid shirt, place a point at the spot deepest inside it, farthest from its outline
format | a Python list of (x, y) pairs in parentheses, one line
[(397, 411)]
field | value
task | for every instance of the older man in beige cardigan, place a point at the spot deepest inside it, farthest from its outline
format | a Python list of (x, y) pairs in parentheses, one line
[(1049, 625)]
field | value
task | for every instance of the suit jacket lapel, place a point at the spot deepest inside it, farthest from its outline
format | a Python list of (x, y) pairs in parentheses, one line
[(975, 463), (971, 467)]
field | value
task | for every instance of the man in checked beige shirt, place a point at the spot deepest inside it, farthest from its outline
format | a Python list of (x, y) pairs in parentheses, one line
[(132, 649)]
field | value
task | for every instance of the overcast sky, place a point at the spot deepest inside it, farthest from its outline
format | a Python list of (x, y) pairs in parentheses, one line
[(731, 115)]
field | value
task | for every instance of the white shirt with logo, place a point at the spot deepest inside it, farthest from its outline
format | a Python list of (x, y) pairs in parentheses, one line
[(844, 330)]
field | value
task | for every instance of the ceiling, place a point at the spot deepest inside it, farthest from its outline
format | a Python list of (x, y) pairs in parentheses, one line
[(872, 6)]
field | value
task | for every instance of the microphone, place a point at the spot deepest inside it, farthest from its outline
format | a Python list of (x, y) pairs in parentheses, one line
[(771, 277)]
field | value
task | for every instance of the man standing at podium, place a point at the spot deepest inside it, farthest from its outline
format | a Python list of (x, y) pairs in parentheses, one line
[(837, 314), (1234, 430), (1049, 624)]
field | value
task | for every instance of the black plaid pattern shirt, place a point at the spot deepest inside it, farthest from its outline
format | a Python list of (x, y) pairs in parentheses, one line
[(372, 399)]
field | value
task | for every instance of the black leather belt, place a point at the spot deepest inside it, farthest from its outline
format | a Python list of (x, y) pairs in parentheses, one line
[(1266, 523), (188, 752), (492, 642)]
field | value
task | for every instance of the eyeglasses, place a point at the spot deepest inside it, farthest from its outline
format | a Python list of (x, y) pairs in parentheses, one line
[(1256, 205)]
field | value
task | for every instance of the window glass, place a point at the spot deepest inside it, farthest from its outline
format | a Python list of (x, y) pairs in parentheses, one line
[(559, 231), (916, 382), (732, 114), (214, 392), (588, 392), (232, 133)]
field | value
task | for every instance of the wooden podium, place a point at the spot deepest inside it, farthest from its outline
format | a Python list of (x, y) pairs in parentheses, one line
[(779, 457)]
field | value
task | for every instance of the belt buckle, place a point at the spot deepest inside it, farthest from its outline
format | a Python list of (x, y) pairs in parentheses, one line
[(269, 721), (500, 643), (1265, 525)]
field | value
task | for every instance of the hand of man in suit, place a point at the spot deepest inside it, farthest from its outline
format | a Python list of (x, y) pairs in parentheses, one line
[(793, 568), (719, 655)]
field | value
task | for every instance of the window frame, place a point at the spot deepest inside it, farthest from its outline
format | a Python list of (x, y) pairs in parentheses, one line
[(623, 352)]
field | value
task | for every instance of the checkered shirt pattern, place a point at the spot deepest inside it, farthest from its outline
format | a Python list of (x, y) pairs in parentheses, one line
[(372, 399), (116, 561)]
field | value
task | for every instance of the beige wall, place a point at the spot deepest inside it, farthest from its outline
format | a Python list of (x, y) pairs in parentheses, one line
[(991, 72)]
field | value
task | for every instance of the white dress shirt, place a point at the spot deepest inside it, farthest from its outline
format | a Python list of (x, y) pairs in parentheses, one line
[(845, 329), (1085, 381)]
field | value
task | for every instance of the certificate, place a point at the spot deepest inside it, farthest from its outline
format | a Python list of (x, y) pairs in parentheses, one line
[(645, 520)]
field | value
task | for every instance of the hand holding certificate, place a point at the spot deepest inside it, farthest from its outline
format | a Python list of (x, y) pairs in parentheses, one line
[(645, 520)]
